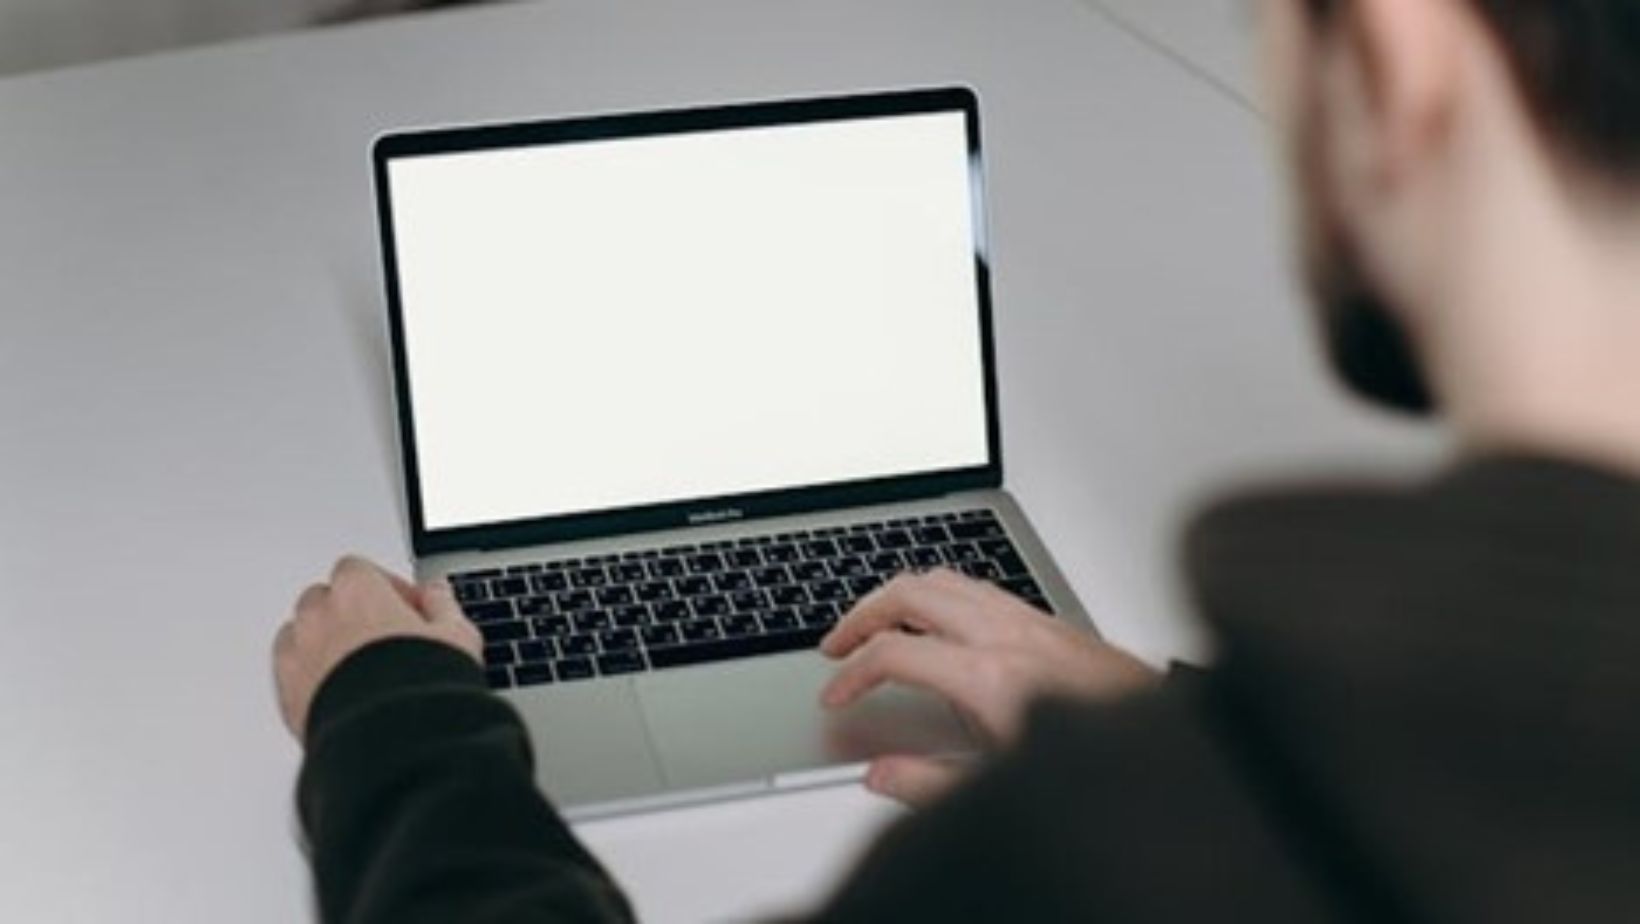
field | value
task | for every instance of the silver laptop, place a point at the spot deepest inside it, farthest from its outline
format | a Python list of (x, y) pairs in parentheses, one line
[(675, 389)]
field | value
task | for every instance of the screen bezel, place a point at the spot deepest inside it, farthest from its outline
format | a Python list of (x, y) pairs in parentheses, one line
[(673, 515)]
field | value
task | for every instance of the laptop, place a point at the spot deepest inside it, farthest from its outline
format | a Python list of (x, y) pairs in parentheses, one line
[(675, 389)]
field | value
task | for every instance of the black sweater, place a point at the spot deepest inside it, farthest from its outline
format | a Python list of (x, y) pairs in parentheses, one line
[(1427, 707)]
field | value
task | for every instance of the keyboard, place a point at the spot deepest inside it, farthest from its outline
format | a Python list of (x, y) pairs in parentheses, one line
[(610, 615)]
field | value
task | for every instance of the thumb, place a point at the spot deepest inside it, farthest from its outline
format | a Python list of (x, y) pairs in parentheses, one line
[(913, 781), (438, 603)]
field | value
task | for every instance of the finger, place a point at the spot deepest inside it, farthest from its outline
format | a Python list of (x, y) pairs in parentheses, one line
[(313, 599), (439, 603), (284, 640), (920, 602), (921, 661), (914, 781), (407, 590), (355, 568)]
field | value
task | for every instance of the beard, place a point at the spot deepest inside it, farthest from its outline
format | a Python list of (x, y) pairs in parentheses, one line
[(1366, 345)]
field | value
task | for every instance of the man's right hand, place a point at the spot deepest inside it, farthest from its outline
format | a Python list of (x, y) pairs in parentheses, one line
[(987, 652)]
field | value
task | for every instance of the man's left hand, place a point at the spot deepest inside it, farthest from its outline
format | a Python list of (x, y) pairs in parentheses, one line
[(359, 605)]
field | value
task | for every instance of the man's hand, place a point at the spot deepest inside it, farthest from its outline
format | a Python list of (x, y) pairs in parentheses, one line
[(987, 652), (361, 604)]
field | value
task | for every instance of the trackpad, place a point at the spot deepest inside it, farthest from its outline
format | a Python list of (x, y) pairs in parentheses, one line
[(746, 720)]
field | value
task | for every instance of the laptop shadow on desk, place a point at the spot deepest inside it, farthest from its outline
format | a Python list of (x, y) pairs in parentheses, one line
[(363, 317)]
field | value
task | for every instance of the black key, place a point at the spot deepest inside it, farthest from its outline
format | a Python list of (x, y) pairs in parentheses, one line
[(745, 558), (589, 577), (851, 566), (628, 572), (677, 550), (783, 554), (860, 586), (618, 640), (603, 559), (550, 582), (970, 530), (894, 539), (659, 635), (536, 606), (771, 577), (680, 655), (859, 545), (731, 581), (499, 611), (810, 571), (705, 564), (820, 548), (693, 586), (631, 616), (550, 626), (701, 630), (711, 606), (831, 532), (536, 651), (615, 596), (1021, 587), (828, 591), (477, 575), (573, 669), (717, 546), (961, 552), (749, 601), (996, 548), (526, 675), (974, 515), (789, 595), (900, 523), (470, 591), (509, 587), (557, 566), (573, 600), (654, 591), (981, 570), (592, 620), (499, 678), (666, 568), (740, 624), (671, 611), (780, 620), (575, 645), (1012, 566), (923, 558), (500, 654), (887, 563), (931, 535), (504, 631), (820, 615), (622, 662)]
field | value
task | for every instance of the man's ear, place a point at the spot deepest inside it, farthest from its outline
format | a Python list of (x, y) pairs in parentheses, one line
[(1405, 57)]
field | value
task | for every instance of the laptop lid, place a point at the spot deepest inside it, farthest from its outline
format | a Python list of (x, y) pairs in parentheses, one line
[(639, 322)]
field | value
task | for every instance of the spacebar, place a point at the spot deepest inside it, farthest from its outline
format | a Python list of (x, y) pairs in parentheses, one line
[(680, 655)]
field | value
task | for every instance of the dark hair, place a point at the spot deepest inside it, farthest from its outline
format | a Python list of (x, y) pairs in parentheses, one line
[(1578, 66)]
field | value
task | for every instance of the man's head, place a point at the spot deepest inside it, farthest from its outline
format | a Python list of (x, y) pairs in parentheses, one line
[(1404, 117)]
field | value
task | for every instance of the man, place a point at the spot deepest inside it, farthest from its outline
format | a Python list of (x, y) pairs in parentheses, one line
[(1426, 702)]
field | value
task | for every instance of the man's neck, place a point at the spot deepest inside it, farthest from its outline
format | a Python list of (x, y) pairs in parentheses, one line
[(1537, 346)]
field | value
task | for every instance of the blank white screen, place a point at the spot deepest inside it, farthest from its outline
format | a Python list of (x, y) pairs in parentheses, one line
[(603, 325)]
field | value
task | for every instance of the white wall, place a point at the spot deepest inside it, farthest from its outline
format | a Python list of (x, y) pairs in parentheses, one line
[(37, 34)]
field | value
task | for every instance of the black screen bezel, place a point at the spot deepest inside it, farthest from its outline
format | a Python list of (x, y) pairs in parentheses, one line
[(542, 530)]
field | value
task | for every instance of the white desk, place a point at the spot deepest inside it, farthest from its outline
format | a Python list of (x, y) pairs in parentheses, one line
[(194, 402)]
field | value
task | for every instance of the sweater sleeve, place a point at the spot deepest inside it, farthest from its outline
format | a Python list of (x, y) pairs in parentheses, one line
[(419, 801)]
